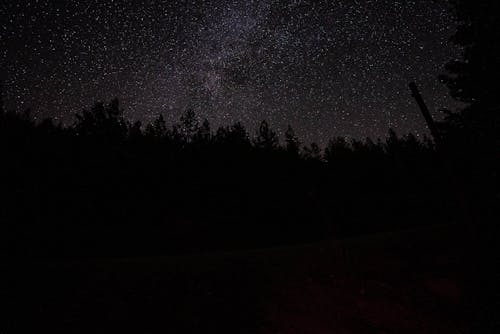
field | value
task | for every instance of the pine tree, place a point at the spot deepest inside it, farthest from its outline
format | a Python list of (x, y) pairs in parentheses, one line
[(292, 142), (266, 138), (474, 79)]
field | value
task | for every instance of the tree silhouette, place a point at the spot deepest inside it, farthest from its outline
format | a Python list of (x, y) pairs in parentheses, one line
[(204, 133), (122, 190), (474, 79), (292, 142), (473, 136), (157, 129), (135, 130), (2, 110), (393, 145), (239, 135), (189, 125), (266, 138), (312, 152), (103, 121), (338, 149), (234, 137)]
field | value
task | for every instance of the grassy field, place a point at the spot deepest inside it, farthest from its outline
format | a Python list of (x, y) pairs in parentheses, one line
[(405, 282)]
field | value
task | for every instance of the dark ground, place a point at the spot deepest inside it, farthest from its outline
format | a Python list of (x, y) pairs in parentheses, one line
[(405, 282)]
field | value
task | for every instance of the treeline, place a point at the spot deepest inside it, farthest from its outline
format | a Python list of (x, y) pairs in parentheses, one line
[(107, 187)]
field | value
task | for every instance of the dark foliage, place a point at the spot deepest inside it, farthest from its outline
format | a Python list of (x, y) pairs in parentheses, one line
[(472, 143), (108, 187), (472, 135), (474, 79)]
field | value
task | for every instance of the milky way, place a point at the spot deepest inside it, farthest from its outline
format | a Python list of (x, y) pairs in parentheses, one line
[(328, 68)]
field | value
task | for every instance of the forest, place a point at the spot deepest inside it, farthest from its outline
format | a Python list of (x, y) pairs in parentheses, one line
[(106, 185)]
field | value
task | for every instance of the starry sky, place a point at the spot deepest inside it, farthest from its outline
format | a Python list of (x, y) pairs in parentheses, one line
[(328, 68)]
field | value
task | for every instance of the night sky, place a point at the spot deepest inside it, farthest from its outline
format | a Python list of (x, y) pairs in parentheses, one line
[(328, 68)]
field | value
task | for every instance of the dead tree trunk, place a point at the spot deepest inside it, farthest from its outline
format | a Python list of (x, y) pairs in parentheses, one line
[(426, 113)]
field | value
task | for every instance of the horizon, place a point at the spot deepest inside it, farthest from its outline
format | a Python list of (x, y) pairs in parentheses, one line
[(326, 69)]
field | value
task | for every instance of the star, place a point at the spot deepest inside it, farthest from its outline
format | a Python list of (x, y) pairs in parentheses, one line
[(326, 68)]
